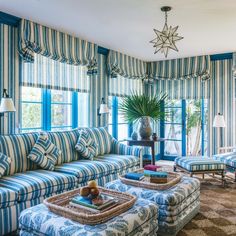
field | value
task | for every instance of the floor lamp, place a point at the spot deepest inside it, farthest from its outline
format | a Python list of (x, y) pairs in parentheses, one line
[(219, 122), (6, 106), (103, 109)]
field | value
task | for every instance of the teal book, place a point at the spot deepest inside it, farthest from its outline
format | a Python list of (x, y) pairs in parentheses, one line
[(156, 174), (99, 203)]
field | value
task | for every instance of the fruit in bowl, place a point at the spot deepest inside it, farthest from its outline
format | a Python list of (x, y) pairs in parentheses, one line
[(85, 191), (92, 184), (94, 192), (90, 191)]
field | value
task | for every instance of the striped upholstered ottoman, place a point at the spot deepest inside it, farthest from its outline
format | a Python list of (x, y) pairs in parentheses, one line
[(177, 205), (200, 165), (140, 220)]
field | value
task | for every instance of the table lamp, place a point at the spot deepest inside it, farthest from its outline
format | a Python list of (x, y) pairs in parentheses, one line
[(219, 122), (103, 109)]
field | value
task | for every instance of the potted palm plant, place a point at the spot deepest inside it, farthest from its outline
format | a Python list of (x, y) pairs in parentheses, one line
[(143, 108)]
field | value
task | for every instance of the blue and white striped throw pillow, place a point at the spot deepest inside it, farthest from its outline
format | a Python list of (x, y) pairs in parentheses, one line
[(86, 146), (5, 162), (44, 153)]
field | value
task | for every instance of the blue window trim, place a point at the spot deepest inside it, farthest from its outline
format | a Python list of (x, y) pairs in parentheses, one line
[(115, 117), (46, 102)]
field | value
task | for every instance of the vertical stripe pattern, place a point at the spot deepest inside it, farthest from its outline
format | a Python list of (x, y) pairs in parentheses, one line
[(182, 68), (9, 74), (125, 66), (50, 74), (36, 38), (222, 100)]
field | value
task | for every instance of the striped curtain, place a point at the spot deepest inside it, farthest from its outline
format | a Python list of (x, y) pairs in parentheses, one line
[(122, 86), (50, 74), (180, 69), (222, 100), (36, 38), (9, 75), (181, 89), (98, 90), (125, 66)]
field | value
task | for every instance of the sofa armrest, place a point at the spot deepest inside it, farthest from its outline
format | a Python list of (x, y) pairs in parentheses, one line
[(122, 149)]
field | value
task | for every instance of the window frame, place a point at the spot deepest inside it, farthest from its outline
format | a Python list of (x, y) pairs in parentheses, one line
[(46, 111), (115, 123)]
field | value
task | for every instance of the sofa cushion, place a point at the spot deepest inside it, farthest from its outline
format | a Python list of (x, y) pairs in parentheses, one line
[(65, 141), (5, 162), (37, 183), (192, 163), (44, 153), (102, 138), (227, 158), (18, 147), (86, 170), (8, 197), (86, 146)]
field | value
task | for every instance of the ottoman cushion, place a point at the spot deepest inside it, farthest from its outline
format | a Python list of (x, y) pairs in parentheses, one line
[(227, 158), (177, 205), (140, 220), (199, 163)]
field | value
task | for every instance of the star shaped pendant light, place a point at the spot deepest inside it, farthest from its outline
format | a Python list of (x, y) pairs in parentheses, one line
[(166, 38)]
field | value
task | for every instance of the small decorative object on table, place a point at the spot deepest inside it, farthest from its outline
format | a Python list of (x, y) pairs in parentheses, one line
[(91, 204), (157, 177), (151, 167), (171, 179), (134, 135), (154, 136)]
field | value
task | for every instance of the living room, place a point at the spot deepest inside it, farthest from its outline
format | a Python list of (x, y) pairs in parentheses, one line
[(131, 99)]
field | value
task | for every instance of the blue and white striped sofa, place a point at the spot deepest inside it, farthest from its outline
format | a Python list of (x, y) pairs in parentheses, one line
[(25, 185)]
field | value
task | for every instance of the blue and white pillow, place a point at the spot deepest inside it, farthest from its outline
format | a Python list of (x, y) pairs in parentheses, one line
[(44, 153), (86, 145), (5, 162)]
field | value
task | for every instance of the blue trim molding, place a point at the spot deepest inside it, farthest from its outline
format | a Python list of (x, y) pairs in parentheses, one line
[(103, 51), (9, 19), (222, 56)]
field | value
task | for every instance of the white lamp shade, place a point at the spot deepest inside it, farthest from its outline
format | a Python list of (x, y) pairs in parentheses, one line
[(219, 121), (103, 109), (7, 105)]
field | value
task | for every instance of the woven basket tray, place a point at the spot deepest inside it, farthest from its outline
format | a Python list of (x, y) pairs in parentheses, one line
[(172, 179), (59, 204)]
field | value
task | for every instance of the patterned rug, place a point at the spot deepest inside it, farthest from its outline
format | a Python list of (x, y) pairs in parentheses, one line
[(217, 216)]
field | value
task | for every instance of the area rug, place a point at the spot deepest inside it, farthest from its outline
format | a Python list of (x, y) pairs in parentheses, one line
[(217, 216)]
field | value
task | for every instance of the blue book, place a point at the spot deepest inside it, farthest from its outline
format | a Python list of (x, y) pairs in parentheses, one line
[(134, 176), (156, 174)]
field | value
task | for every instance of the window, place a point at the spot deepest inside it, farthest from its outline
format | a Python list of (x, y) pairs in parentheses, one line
[(44, 109), (117, 126), (61, 109), (186, 128), (31, 112)]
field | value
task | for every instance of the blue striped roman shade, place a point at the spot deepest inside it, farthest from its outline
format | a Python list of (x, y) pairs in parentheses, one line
[(36, 38), (44, 153), (179, 69), (5, 162), (50, 74), (125, 66)]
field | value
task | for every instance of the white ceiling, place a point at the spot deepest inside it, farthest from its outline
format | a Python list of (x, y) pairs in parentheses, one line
[(208, 26)]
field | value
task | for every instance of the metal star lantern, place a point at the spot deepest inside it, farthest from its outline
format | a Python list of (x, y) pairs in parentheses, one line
[(166, 38)]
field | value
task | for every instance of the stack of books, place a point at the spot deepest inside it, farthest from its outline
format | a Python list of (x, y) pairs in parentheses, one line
[(134, 176), (103, 202), (151, 167), (157, 177)]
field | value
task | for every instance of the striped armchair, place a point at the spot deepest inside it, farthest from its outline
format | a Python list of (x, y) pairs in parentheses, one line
[(25, 184)]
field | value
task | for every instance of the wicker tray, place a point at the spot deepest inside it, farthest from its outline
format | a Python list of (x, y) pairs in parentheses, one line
[(172, 179), (59, 204)]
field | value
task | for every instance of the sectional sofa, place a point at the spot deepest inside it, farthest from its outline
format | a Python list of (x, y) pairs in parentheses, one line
[(24, 184)]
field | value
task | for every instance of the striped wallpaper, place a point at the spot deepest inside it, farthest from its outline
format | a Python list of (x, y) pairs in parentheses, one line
[(222, 100), (98, 90), (9, 74)]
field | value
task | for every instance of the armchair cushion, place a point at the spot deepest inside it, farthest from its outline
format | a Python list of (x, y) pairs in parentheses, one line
[(44, 153), (227, 158), (86, 146)]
